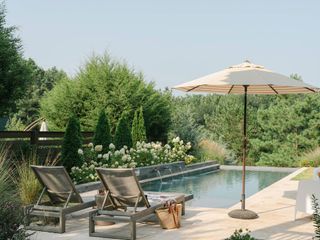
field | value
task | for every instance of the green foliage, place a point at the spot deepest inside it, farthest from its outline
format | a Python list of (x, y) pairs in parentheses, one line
[(28, 106), (210, 150), (143, 154), (10, 209), (106, 84), (72, 142), (138, 130), (184, 123), (14, 72), (280, 128), (122, 136), (241, 235), (102, 135), (316, 216), (311, 158)]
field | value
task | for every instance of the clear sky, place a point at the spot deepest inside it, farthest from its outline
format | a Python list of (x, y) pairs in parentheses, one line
[(172, 41)]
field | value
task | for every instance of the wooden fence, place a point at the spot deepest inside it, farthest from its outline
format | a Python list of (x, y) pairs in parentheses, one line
[(44, 141)]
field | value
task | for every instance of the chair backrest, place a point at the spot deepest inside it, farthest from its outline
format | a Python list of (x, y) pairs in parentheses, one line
[(57, 182), (123, 187)]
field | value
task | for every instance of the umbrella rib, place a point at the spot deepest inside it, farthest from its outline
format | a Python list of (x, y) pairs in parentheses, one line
[(230, 89), (310, 89), (273, 88), (193, 88)]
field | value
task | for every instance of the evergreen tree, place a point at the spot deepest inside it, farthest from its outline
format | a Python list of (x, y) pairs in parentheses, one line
[(72, 141), (138, 131), (102, 134), (141, 127), (134, 129), (14, 72), (123, 135)]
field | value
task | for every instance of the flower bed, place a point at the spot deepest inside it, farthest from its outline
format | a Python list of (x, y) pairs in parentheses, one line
[(143, 154)]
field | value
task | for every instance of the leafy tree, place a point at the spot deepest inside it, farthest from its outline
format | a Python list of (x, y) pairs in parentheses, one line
[(72, 141), (14, 72), (123, 135), (28, 106), (106, 84), (138, 131), (102, 135)]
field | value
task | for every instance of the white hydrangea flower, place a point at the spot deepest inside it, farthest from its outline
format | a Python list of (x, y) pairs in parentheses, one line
[(124, 158), (176, 140), (116, 153), (90, 145), (80, 151), (105, 156), (112, 146), (99, 155), (98, 148)]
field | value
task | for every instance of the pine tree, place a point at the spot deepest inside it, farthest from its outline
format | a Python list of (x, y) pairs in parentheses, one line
[(102, 134), (142, 127), (72, 141), (123, 135)]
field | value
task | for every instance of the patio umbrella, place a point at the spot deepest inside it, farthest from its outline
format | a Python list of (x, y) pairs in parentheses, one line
[(246, 78)]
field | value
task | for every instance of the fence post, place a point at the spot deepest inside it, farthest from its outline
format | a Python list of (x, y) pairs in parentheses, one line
[(34, 138)]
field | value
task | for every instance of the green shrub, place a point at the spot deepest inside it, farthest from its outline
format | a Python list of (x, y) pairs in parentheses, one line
[(72, 142), (143, 154), (27, 184), (102, 135), (11, 215), (138, 131), (311, 158), (241, 235), (123, 134), (210, 150), (103, 83)]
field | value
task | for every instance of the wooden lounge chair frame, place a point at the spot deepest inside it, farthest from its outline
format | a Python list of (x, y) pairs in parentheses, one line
[(118, 204), (65, 197)]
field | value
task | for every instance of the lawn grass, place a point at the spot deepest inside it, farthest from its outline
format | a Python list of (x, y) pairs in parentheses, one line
[(305, 175)]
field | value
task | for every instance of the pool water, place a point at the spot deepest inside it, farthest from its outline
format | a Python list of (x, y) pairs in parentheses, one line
[(219, 189)]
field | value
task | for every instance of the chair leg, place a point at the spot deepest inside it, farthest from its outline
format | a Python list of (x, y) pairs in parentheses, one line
[(91, 223), (183, 208), (62, 222), (133, 227), (26, 215)]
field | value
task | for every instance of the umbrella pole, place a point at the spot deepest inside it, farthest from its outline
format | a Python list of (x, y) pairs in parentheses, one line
[(243, 213), (244, 150)]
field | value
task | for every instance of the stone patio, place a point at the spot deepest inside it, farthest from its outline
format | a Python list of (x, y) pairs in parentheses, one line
[(274, 204)]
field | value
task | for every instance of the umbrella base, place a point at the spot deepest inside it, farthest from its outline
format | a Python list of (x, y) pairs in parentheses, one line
[(243, 214)]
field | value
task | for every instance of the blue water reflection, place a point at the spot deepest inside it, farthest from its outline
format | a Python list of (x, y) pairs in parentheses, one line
[(220, 189)]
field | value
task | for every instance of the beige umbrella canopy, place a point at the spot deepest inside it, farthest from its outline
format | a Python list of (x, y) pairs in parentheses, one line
[(233, 79), (246, 78)]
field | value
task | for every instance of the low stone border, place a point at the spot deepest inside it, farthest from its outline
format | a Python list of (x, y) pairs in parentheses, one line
[(255, 168), (148, 174)]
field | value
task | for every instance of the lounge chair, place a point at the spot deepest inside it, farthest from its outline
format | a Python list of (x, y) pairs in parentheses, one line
[(63, 198), (125, 201)]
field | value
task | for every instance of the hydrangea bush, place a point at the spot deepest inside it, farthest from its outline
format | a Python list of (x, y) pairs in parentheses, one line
[(143, 154)]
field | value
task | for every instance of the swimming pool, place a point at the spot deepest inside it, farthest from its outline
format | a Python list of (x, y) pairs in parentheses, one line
[(219, 189)]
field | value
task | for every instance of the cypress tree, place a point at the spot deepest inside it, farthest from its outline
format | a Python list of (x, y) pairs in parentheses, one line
[(142, 127), (72, 141), (135, 129), (102, 134), (123, 134)]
